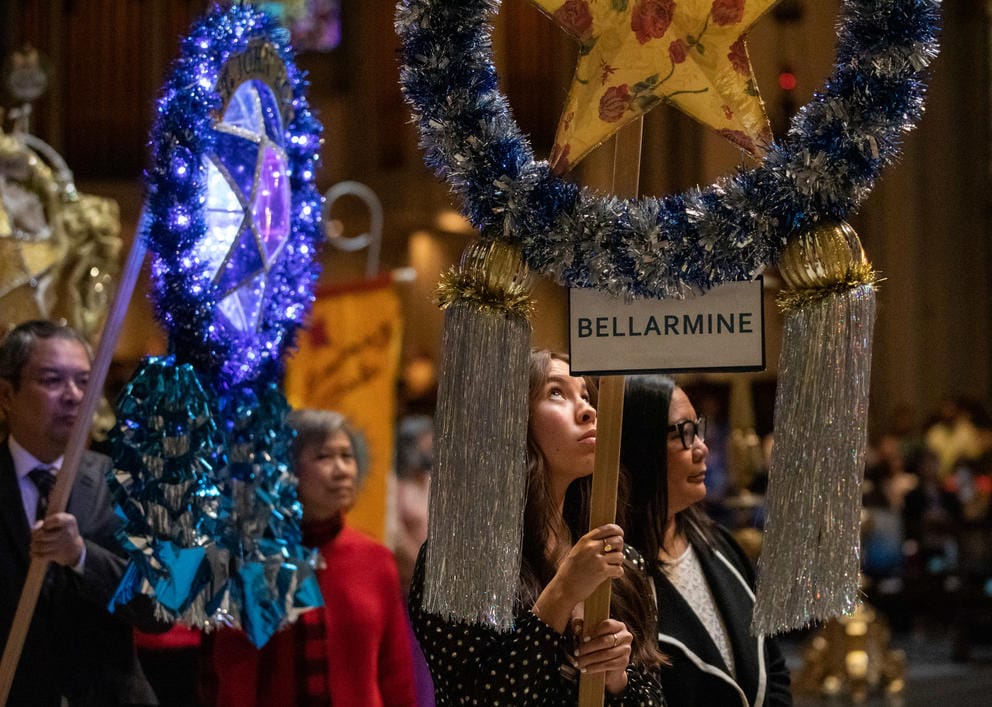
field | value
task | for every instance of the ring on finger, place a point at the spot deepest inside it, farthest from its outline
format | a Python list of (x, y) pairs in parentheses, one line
[(616, 641), (607, 547)]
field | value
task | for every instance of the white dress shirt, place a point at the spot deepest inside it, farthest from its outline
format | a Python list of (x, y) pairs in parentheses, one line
[(24, 463)]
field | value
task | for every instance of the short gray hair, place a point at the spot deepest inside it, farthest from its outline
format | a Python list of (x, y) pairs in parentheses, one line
[(313, 426)]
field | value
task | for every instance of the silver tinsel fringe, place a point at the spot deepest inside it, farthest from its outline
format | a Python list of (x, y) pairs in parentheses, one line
[(479, 484), (809, 564)]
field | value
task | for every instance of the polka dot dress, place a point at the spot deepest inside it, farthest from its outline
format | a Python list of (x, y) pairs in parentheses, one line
[(476, 665)]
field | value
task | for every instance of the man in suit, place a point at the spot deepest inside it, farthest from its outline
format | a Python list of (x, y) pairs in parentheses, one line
[(76, 651)]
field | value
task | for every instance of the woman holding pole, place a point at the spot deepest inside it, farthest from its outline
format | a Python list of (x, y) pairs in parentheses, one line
[(538, 660), (704, 581)]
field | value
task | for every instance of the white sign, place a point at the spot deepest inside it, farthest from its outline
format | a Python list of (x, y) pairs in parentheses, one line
[(720, 330)]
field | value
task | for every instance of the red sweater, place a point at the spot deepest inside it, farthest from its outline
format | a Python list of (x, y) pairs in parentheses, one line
[(369, 663)]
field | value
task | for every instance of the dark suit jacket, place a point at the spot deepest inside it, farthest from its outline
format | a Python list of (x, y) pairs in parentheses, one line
[(698, 674), (74, 647)]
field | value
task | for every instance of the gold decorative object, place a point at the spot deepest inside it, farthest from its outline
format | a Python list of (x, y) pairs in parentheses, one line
[(850, 657), (33, 242), (90, 271), (826, 260), (492, 276), (59, 250)]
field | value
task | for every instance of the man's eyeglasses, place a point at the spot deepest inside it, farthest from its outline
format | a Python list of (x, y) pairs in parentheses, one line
[(57, 382), (689, 431)]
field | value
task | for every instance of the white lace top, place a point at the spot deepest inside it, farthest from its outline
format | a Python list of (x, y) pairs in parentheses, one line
[(686, 575)]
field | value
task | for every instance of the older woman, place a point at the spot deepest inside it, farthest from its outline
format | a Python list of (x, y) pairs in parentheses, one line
[(353, 651), (536, 663), (704, 581)]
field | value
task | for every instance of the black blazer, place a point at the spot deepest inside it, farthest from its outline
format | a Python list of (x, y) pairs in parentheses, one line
[(75, 646), (698, 674)]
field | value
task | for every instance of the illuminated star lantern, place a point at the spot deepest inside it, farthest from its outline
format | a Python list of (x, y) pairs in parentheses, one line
[(636, 54), (233, 213), (248, 203), (232, 222)]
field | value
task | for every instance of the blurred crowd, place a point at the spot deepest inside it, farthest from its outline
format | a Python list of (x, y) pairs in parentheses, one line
[(927, 528), (926, 522)]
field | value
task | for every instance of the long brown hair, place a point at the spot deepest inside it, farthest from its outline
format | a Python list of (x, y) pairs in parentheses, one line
[(544, 527)]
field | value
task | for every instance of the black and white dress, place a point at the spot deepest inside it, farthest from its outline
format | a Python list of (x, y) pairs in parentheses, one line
[(477, 665)]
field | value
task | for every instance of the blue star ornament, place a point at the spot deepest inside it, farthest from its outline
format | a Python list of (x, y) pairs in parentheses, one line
[(248, 204), (233, 216)]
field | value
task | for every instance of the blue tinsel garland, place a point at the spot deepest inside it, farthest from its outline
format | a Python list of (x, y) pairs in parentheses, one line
[(186, 300), (661, 247)]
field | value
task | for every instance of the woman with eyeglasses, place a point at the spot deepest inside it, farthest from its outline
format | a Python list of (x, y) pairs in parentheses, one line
[(703, 580)]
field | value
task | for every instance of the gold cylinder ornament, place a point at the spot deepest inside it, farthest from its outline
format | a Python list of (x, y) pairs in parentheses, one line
[(491, 276), (827, 259)]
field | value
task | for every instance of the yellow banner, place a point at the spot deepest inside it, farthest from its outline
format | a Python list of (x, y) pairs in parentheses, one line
[(348, 360)]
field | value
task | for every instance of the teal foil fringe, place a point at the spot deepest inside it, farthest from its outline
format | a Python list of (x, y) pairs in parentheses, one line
[(211, 521)]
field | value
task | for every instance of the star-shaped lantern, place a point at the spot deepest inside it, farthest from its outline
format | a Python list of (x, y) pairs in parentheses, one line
[(248, 203), (635, 54)]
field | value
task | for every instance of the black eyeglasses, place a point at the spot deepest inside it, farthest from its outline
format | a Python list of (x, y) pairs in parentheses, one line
[(689, 431)]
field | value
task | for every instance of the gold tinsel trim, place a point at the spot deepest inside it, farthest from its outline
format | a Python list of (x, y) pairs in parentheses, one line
[(456, 286), (791, 300)]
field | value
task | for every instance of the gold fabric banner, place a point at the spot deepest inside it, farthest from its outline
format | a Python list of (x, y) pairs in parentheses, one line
[(348, 360)]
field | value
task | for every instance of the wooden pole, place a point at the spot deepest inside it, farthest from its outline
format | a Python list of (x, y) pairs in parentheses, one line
[(602, 509), (609, 415), (77, 444)]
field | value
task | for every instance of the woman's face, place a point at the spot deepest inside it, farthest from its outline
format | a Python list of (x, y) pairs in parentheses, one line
[(563, 425), (328, 474), (686, 467)]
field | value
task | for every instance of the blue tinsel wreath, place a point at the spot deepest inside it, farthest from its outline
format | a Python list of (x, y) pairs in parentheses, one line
[(660, 247), (186, 298)]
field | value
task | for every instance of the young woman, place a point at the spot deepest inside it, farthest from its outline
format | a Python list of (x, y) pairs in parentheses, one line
[(354, 651), (538, 661), (703, 580)]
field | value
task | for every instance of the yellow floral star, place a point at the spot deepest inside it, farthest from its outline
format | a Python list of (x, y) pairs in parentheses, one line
[(635, 54)]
